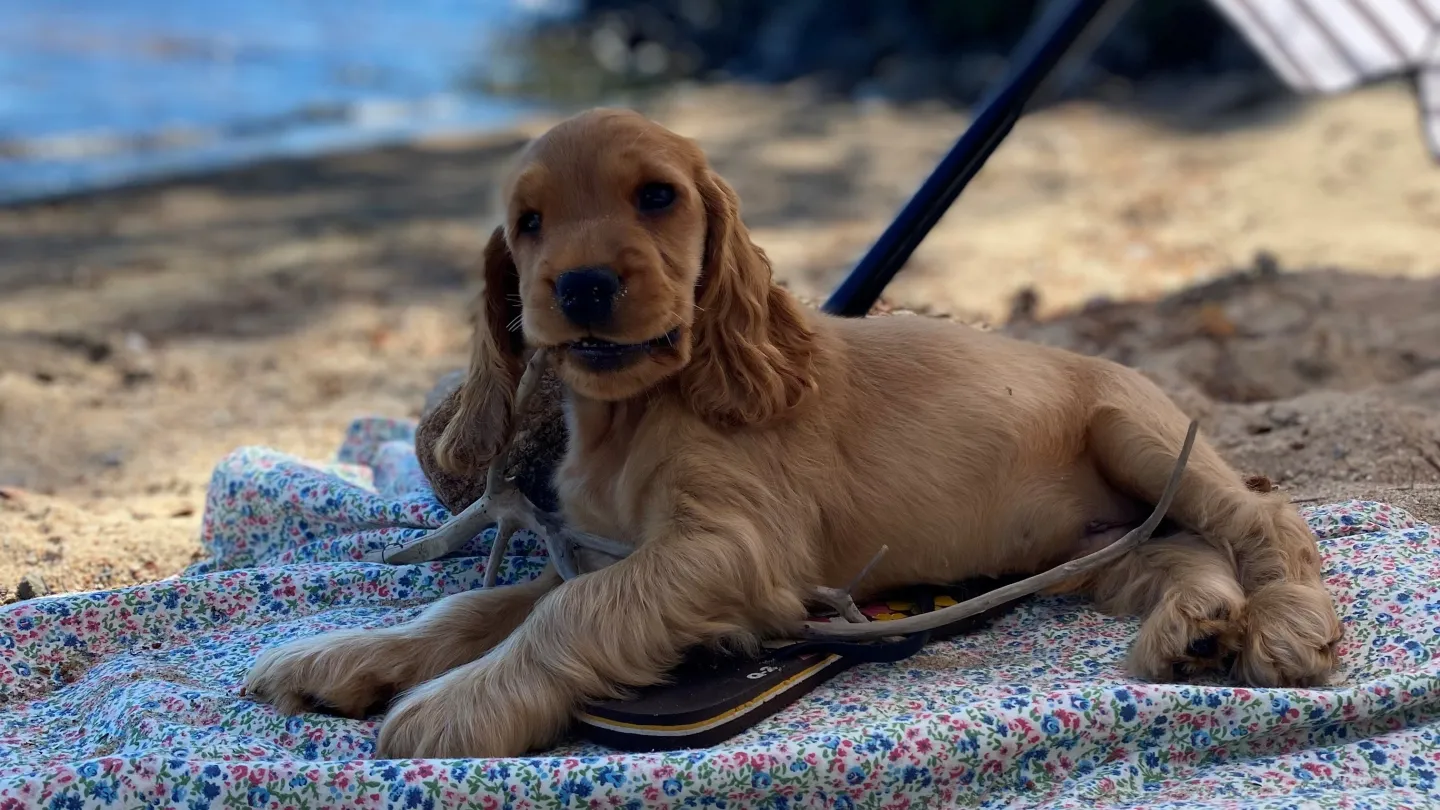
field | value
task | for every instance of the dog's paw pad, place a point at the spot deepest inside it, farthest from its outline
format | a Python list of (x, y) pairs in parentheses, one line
[(1207, 647)]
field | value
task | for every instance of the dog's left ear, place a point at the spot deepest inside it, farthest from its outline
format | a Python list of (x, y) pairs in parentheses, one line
[(752, 353)]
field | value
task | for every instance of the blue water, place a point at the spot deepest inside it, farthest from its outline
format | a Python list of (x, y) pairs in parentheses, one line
[(95, 92)]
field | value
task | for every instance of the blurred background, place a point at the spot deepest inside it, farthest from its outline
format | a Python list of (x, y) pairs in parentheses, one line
[(98, 92), (227, 223)]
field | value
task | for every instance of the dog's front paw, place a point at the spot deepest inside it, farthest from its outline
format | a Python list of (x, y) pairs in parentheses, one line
[(349, 672), (1292, 636), (483, 709)]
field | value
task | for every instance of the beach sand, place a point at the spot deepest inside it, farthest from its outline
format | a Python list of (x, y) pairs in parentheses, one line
[(147, 332)]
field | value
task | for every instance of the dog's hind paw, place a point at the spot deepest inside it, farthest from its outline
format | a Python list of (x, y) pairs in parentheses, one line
[(1292, 637), (1189, 632)]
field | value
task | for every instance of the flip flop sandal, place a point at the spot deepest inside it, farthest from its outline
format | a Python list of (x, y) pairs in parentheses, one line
[(713, 696)]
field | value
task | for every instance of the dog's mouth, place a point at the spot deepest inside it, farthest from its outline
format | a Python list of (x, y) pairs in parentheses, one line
[(604, 355)]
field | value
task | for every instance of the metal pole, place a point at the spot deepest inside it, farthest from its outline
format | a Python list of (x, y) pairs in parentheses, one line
[(1035, 59)]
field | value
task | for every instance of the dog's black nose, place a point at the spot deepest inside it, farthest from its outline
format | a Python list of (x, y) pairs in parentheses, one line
[(587, 294)]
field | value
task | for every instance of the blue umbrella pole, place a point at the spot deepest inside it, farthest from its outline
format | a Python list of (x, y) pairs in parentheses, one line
[(1035, 58)]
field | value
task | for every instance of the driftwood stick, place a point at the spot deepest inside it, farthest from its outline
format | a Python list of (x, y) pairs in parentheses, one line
[(562, 554), (842, 600), (839, 601), (504, 505), (505, 530), (456, 532), (865, 572), (473, 519), (604, 545), (980, 604), (562, 543)]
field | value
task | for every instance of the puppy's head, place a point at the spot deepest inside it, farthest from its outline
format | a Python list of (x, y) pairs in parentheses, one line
[(624, 253)]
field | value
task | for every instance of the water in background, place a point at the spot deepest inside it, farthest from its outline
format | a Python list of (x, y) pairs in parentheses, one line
[(95, 92)]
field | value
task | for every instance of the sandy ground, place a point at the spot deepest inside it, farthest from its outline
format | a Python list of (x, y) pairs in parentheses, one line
[(146, 333)]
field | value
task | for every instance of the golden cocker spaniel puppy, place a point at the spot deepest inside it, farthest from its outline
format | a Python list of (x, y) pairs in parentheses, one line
[(751, 449)]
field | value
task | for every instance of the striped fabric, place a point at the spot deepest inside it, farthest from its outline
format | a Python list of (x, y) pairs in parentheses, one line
[(1328, 46)]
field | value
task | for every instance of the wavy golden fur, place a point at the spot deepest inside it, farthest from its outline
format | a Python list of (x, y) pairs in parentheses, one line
[(751, 448)]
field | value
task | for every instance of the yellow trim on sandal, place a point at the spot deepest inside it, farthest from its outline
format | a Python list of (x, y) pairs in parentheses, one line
[(713, 722)]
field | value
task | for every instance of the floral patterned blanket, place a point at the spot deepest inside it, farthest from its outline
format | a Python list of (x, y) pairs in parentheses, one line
[(130, 698)]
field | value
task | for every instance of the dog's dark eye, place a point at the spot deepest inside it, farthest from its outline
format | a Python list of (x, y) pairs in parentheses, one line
[(529, 222), (655, 197)]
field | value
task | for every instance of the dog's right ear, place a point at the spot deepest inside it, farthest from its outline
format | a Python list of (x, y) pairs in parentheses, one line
[(486, 397)]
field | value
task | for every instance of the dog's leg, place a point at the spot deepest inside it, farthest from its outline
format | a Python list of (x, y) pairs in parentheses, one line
[(622, 626), (1186, 592), (1135, 432), (354, 672)]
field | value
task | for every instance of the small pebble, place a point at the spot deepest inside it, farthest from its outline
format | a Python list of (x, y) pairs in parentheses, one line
[(1284, 416), (1267, 265), (31, 586)]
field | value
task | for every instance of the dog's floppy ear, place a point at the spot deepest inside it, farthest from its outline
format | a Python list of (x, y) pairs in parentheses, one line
[(752, 349), (482, 419)]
